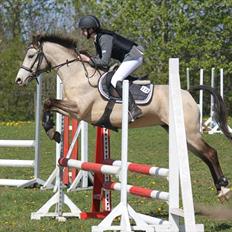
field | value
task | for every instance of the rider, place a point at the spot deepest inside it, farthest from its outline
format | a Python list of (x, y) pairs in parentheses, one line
[(109, 45)]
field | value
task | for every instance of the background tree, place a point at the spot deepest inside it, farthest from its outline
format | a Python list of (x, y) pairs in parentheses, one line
[(198, 32), (19, 20)]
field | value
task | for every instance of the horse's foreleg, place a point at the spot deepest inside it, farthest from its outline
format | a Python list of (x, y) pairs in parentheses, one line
[(48, 125), (64, 106), (60, 106)]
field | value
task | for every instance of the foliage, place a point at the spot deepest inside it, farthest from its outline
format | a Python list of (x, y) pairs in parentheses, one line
[(12, 105), (198, 32)]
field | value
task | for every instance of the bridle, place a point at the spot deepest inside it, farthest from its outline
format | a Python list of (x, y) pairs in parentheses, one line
[(40, 56)]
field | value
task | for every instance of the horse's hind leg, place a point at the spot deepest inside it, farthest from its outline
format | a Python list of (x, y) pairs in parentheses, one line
[(209, 155), (60, 106)]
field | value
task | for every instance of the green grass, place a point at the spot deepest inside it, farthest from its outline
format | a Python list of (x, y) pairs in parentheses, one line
[(149, 145)]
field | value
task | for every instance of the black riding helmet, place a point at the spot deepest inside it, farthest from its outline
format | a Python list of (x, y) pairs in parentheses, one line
[(88, 22)]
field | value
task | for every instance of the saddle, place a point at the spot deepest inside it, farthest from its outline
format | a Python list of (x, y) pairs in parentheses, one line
[(140, 87)]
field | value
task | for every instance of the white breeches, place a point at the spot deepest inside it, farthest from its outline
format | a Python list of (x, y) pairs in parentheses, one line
[(125, 69)]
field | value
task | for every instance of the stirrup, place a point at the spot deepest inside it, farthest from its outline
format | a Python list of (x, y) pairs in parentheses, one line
[(137, 113), (130, 117)]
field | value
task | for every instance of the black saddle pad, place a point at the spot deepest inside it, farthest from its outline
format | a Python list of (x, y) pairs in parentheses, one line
[(142, 90)]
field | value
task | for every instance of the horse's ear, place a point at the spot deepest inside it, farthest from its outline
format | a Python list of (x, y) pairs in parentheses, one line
[(36, 40)]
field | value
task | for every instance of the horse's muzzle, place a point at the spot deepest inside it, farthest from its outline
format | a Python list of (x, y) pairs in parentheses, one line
[(19, 81), (22, 82)]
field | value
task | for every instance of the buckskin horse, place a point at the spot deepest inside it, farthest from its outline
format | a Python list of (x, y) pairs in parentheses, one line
[(83, 101)]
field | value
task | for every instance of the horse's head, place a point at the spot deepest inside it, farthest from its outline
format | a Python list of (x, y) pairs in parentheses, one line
[(35, 62), (47, 52)]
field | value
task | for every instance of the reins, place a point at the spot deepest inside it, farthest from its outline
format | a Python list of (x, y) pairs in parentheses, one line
[(86, 71), (67, 62)]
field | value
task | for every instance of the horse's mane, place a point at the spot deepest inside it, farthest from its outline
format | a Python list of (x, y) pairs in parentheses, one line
[(54, 38)]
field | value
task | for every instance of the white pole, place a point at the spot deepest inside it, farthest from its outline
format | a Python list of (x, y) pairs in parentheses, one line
[(173, 178), (188, 78), (37, 127), (75, 137), (17, 143), (181, 145), (84, 151), (59, 94), (221, 83), (201, 99), (55, 174), (211, 98), (124, 142), (16, 163)]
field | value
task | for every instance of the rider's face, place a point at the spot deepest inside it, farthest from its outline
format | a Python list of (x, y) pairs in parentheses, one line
[(84, 32), (87, 32)]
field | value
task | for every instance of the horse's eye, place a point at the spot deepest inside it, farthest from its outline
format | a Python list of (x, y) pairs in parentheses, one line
[(30, 56)]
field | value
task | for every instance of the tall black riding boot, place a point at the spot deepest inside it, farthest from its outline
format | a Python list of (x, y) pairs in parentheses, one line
[(134, 111)]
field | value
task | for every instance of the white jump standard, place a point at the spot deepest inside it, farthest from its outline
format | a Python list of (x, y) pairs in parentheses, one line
[(210, 124), (123, 209), (83, 178), (59, 198), (34, 163), (179, 174)]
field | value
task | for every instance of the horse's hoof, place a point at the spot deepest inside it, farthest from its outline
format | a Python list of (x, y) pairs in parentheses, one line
[(224, 194), (54, 135), (51, 133), (57, 137)]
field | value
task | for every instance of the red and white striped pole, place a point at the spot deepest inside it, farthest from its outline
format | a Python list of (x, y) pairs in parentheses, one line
[(140, 168), (138, 191)]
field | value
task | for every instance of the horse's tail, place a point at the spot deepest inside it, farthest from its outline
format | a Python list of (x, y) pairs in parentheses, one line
[(220, 113)]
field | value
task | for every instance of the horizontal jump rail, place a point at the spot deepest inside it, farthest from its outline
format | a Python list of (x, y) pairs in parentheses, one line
[(16, 163), (140, 168), (89, 166), (13, 182), (17, 143), (138, 191)]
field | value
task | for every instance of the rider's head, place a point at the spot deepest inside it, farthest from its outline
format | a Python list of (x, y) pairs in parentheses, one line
[(89, 25)]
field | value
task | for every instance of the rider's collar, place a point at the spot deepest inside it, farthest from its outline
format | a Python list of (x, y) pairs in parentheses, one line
[(95, 38)]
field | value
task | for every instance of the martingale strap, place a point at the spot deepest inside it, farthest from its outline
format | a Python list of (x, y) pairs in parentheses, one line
[(104, 121)]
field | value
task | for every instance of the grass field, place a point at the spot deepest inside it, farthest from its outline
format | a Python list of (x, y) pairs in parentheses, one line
[(149, 146)]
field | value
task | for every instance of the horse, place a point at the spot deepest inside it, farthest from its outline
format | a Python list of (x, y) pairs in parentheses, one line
[(82, 100)]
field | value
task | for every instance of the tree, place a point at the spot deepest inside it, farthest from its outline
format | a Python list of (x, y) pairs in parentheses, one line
[(18, 21), (198, 32)]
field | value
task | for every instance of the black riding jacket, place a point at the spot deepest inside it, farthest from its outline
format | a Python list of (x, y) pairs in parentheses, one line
[(110, 45)]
